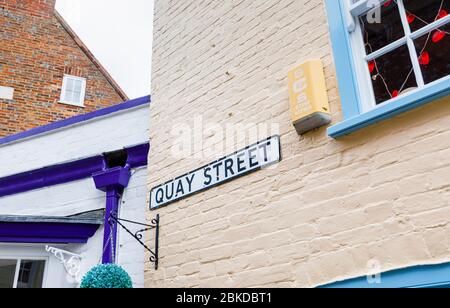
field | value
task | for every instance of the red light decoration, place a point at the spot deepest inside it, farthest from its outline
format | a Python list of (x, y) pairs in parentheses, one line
[(442, 13), (438, 36), (411, 18), (424, 58), (371, 66)]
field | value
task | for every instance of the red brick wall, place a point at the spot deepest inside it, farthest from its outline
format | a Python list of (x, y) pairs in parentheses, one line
[(35, 51), (39, 8)]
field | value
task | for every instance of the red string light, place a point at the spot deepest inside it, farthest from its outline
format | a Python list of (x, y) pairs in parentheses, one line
[(371, 66), (387, 3), (438, 36), (442, 13), (424, 57)]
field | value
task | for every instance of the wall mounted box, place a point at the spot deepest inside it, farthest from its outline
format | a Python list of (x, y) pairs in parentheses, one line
[(309, 104)]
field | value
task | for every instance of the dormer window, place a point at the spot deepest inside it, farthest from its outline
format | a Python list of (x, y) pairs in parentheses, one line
[(73, 91)]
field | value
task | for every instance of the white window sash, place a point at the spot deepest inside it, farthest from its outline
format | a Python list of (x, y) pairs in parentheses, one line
[(64, 91), (354, 11), (16, 275)]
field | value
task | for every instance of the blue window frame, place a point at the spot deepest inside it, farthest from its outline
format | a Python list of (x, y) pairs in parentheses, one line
[(428, 276), (354, 91)]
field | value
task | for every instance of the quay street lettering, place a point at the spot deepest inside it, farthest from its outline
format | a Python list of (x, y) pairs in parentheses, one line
[(240, 163)]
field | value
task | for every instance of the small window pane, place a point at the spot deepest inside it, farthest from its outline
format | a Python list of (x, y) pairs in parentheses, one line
[(76, 97), (77, 92), (7, 273), (423, 12), (70, 84), (73, 91), (68, 96), (392, 75), (31, 274), (377, 35), (434, 54), (77, 86)]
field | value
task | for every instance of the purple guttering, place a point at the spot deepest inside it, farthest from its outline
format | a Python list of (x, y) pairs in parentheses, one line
[(45, 232), (52, 175), (138, 155), (68, 172), (52, 232), (113, 182)]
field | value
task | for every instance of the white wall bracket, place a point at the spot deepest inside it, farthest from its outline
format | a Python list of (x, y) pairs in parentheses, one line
[(71, 261)]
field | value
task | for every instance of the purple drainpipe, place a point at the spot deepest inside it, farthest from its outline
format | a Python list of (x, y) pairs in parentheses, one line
[(113, 182)]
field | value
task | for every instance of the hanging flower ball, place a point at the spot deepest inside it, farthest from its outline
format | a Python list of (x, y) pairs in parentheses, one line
[(106, 276)]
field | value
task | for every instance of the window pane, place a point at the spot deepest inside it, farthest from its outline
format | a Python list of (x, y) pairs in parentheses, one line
[(77, 86), (68, 96), (424, 12), (380, 34), (434, 54), (77, 92), (392, 75), (7, 273), (70, 84), (76, 97), (31, 274)]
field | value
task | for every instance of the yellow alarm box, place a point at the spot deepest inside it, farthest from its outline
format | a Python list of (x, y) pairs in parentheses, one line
[(309, 104)]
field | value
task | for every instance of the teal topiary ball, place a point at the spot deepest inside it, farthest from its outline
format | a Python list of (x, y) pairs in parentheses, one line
[(106, 276)]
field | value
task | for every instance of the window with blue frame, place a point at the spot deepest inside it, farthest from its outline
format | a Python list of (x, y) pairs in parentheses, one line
[(391, 56)]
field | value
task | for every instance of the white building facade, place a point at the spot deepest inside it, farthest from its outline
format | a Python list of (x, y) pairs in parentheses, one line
[(59, 187)]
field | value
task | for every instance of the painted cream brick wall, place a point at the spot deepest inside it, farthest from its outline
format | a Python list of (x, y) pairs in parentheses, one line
[(331, 205)]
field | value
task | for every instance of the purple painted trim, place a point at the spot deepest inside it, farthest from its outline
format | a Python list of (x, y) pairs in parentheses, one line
[(77, 119), (17, 232), (110, 234), (115, 178), (138, 155), (50, 176), (68, 172), (113, 181)]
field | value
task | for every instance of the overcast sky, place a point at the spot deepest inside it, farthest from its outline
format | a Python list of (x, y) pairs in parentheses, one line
[(119, 34)]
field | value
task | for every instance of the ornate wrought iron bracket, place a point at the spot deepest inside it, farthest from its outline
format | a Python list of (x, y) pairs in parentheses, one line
[(139, 235), (71, 261)]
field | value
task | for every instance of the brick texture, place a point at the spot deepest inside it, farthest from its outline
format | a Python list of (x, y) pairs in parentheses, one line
[(331, 205), (35, 52)]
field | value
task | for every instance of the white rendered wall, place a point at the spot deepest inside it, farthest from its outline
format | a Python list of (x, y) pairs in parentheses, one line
[(101, 135), (81, 196), (60, 200), (113, 132), (130, 254)]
